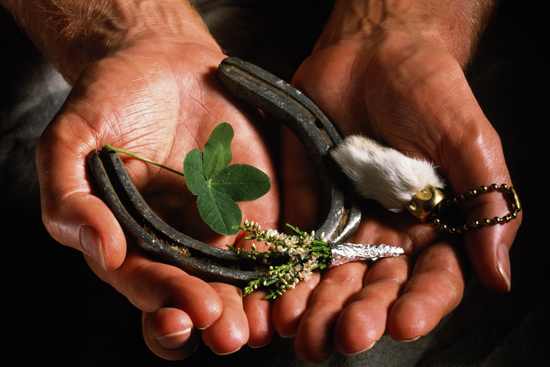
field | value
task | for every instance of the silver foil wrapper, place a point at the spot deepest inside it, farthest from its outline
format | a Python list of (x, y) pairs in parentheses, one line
[(346, 252)]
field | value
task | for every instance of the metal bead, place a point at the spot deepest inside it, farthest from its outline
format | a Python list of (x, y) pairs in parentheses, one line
[(510, 192)]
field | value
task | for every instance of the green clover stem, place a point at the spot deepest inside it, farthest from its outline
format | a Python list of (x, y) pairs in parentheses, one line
[(218, 184), (143, 159)]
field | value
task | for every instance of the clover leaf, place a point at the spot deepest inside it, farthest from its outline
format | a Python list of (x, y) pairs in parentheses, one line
[(217, 150), (217, 184)]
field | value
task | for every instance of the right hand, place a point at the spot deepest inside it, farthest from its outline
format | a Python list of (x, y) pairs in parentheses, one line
[(410, 93)]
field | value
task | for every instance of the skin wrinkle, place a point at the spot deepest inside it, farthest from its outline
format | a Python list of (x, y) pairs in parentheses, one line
[(453, 141), (436, 139), (433, 134), (93, 30), (444, 273), (161, 290), (91, 34), (437, 299), (425, 136), (370, 297), (468, 19), (369, 301), (408, 244), (355, 97), (197, 102), (355, 283), (124, 136), (386, 90), (395, 281), (83, 120), (419, 237), (146, 304)]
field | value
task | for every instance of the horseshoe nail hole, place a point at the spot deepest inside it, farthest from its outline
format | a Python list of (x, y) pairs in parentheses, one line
[(319, 125)]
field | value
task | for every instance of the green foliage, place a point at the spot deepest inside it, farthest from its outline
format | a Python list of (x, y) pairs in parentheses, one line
[(217, 150), (218, 185), (305, 254)]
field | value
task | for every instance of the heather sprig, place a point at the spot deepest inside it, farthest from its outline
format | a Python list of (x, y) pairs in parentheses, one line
[(305, 254)]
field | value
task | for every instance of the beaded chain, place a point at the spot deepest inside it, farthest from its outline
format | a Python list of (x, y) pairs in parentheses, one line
[(512, 196)]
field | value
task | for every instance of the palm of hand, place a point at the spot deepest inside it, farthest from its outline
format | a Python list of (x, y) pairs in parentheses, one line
[(351, 306), (159, 107), (354, 304)]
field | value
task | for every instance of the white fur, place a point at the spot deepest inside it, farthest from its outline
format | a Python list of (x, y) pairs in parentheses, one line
[(384, 174)]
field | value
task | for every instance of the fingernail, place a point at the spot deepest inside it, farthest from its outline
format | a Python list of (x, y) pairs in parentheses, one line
[(408, 340), (504, 265), (202, 328), (91, 244), (174, 340), (361, 351), (253, 346), (226, 353)]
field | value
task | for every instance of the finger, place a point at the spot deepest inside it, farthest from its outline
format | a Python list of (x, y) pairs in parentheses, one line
[(301, 208), (258, 313), (363, 321), (434, 290), (169, 333), (478, 161), (71, 214), (230, 332), (289, 308), (488, 247), (315, 336), (150, 285)]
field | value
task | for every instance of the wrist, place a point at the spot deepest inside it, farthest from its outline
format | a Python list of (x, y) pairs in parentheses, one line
[(453, 26), (74, 34)]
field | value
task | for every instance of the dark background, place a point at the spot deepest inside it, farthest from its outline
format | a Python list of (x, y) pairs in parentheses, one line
[(54, 309)]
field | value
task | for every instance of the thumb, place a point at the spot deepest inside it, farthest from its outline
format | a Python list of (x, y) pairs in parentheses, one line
[(488, 247), (71, 213), (478, 160)]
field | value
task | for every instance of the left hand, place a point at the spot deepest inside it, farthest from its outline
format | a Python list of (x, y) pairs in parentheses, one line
[(161, 108), (412, 95)]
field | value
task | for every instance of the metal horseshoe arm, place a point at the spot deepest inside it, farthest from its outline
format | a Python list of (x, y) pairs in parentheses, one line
[(278, 100), (284, 103), (155, 236)]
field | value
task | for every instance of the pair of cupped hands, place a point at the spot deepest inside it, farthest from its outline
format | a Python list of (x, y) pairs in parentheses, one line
[(160, 98)]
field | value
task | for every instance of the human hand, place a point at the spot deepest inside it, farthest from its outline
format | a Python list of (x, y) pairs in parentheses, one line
[(158, 97), (399, 86), (351, 306)]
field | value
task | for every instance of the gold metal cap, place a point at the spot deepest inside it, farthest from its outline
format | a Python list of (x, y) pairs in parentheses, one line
[(426, 202)]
